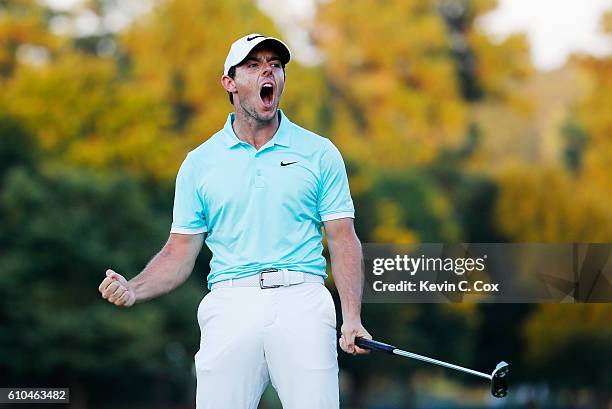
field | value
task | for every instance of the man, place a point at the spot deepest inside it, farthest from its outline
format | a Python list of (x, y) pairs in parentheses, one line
[(261, 189)]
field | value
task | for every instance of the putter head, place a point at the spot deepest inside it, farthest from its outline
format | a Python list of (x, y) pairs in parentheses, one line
[(499, 386)]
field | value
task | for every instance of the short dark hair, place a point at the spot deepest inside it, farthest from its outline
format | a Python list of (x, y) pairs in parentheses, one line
[(232, 74)]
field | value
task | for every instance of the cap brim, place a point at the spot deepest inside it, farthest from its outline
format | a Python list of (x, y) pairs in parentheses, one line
[(283, 51)]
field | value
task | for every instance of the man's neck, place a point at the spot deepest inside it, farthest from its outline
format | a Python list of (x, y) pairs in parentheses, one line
[(250, 130)]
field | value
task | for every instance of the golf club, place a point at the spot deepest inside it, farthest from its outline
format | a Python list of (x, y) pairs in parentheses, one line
[(499, 386)]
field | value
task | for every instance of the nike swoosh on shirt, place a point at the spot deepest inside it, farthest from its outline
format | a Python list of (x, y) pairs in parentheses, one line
[(287, 163)]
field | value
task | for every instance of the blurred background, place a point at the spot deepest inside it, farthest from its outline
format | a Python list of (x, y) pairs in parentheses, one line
[(459, 121)]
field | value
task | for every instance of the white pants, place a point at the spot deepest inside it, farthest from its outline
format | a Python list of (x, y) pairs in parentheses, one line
[(251, 336)]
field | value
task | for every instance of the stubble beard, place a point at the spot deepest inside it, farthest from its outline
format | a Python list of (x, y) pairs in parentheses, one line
[(254, 117)]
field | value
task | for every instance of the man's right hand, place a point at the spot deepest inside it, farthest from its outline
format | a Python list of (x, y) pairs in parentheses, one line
[(116, 289)]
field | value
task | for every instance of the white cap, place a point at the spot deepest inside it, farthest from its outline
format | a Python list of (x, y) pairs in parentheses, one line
[(243, 46)]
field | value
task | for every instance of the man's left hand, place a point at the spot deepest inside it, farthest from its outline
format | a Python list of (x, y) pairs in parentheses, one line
[(350, 330)]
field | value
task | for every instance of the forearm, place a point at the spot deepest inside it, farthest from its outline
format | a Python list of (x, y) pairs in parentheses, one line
[(166, 271), (347, 269)]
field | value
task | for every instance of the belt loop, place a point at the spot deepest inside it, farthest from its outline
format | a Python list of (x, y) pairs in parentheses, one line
[(301, 278), (231, 282), (286, 277)]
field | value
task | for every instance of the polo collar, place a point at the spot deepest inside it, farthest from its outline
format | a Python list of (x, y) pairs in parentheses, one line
[(282, 136)]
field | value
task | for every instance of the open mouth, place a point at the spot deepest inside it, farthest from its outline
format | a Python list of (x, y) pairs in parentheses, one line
[(266, 93)]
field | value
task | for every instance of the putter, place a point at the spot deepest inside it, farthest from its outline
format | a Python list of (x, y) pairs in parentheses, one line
[(499, 386)]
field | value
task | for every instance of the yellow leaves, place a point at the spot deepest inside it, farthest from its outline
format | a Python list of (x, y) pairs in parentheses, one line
[(389, 230), (82, 114), (177, 53), (501, 67), (96, 113), (551, 326), (395, 81), (606, 22), (436, 76), (25, 40), (305, 96), (387, 94), (594, 113), (548, 205), (588, 195), (467, 312), (60, 100), (134, 133), (360, 184), (480, 7)]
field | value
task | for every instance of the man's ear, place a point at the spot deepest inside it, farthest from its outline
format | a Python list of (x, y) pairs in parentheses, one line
[(228, 83)]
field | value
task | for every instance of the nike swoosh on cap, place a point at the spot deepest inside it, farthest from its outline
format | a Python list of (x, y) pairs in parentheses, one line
[(253, 38)]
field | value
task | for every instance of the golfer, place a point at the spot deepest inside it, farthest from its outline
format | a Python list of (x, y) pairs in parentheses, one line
[(259, 192)]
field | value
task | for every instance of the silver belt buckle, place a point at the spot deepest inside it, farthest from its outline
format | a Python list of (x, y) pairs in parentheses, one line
[(261, 278)]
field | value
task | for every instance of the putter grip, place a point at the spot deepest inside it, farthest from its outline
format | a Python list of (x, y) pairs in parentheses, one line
[(374, 345)]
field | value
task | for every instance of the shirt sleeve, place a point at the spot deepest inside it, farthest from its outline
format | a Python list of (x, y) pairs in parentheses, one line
[(335, 200), (188, 213)]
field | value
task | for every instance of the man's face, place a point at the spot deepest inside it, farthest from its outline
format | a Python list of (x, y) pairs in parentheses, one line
[(259, 83)]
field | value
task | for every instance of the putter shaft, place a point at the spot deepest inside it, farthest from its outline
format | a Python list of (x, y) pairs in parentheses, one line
[(407, 354), (499, 386)]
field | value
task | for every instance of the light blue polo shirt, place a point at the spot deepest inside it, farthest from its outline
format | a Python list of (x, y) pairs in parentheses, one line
[(262, 208)]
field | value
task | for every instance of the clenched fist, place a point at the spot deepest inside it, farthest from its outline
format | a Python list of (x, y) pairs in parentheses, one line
[(116, 289), (351, 329)]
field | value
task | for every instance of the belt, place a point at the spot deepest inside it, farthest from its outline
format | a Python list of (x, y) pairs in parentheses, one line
[(271, 278)]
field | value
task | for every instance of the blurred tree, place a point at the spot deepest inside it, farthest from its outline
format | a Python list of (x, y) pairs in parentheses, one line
[(597, 124), (427, 109), (24, 36), (548, 205), (470, 194), (431, 98), (444, 331), (458, 15), (144, 109), (500, 66), (567, 203), (394, 97), (401, 87), (18, 147), (176, 54), (575, 143), (569, 346), (94, 119), (424, 214), (492, 74), (305, 96), (61, 228)]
